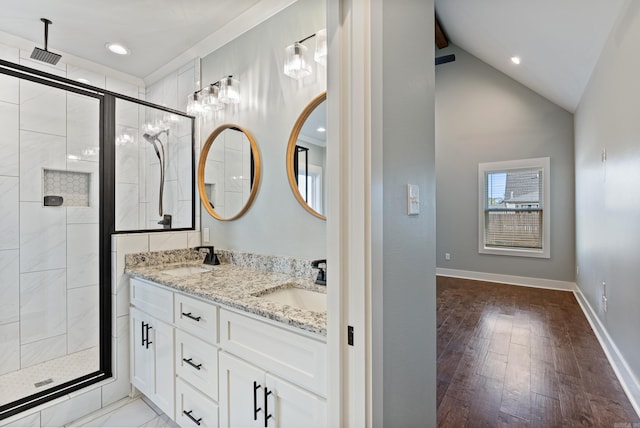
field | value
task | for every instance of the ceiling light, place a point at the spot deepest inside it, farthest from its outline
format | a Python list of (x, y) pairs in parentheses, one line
[(515, 59), (321, 129), (117, 48), (83, 80)]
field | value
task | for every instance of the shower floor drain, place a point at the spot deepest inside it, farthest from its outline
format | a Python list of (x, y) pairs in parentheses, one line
[(43, 383)]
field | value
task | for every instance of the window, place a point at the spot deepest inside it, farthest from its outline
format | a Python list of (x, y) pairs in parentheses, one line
[(514, 208)]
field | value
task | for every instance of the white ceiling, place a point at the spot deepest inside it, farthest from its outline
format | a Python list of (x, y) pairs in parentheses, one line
[(559, 41), (155, 31)]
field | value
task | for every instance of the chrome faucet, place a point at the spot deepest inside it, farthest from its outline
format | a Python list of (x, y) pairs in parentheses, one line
[(321, 265)]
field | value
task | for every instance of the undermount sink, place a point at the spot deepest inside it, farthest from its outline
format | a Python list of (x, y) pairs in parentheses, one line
[(298, 298), (186, 270)]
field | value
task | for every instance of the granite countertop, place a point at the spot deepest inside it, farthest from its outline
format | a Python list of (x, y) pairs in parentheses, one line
[(239, 287)]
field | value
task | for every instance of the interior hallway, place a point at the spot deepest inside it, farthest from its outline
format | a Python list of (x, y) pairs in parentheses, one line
[(520, 356)]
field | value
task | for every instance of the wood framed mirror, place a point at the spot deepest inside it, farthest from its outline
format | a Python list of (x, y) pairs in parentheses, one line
[(307, 158), (228, 172)]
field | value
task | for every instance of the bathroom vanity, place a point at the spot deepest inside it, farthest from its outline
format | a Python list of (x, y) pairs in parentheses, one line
[(229, 345)]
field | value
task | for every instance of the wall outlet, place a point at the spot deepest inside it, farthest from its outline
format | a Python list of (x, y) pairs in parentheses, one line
[(447, 256), (604, 296), (205, 234)]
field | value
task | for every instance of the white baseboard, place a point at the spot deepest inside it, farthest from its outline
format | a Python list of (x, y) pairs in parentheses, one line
[(525, 281), (626, 377)]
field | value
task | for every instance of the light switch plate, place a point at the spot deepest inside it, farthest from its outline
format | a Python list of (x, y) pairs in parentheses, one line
[(413, 199)]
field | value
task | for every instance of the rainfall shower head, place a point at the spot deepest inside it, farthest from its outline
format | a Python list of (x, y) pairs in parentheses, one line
[(43, 54)]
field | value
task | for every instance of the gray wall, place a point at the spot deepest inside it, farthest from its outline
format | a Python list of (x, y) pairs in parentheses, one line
[(270, 104), (404, 330), (482, 115), (607, 195)]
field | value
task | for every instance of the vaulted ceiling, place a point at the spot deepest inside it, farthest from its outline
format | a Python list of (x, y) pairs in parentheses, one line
[(559, 41)]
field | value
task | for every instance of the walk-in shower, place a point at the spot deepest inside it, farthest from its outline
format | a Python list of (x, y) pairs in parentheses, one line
[(74, 170)]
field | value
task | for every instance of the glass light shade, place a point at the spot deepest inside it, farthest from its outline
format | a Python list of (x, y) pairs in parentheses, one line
[(229, 90), (295, 64), (320, 55), (192, 104), (212, 98)]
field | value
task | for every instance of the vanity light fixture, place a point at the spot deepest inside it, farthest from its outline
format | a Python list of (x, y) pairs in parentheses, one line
[(229, 90), (214, 97), (320, 55), (296, 65)]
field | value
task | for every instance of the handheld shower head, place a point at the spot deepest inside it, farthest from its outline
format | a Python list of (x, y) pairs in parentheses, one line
[(155, 142), (152, 138)]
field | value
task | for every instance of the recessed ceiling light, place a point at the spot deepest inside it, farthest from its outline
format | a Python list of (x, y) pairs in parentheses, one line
[(515, 59), (321, 129), (117, 48)]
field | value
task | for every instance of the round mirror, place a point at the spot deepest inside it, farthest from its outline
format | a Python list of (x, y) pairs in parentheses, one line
[(307, 157), (228, 172)]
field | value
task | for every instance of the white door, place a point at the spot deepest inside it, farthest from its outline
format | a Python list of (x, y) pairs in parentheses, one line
[(142, 360), (292, 407), (241, 393), (161, 336)]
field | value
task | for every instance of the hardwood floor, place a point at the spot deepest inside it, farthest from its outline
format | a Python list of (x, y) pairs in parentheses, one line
[(512, 356)]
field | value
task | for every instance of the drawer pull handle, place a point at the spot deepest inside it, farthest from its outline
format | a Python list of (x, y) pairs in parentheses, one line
[(147, 339), (192, 364), (256, 409), (188, 315), (188, 414), (267, 415)]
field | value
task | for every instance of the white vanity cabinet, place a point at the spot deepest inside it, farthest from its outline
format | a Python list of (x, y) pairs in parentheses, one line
[(275, 377), (196, 357), (251, 397), (207, 365), (152, 364)]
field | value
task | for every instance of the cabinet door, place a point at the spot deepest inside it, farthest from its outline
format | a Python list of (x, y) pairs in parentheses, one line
[(161, 335), (142, 359), (293, 407), (240, 404)]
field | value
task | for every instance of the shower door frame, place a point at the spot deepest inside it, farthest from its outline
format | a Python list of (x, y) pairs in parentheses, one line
[(106, 215)]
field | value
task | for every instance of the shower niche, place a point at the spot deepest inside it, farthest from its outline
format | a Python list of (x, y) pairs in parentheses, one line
[(66, 188)]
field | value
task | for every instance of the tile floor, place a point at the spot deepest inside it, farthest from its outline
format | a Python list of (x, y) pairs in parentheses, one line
[(23, 382), (129, 412)]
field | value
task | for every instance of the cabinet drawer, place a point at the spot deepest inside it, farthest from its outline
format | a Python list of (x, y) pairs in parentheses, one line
[(151, 299), (197, 363), (197, 317), (191, 402), (292, 356)]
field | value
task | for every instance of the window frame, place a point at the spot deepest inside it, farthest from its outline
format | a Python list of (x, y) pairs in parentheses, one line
[(489, 167)]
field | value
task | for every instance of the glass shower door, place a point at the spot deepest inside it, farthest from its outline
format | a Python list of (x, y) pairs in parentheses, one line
[(49, 238)]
